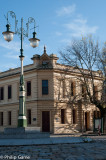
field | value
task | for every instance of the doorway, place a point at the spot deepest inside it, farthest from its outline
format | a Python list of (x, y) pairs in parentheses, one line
[(45, 121), (87, 121)]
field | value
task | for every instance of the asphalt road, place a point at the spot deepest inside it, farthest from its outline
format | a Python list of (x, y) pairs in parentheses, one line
[(95, 150)]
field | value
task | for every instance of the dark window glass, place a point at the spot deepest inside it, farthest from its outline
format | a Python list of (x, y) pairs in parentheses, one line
[(44, 86), (28, 88), (9, 92), (74, 116), (9, 118), (83, 91), (96, 92), (1, 93), (73, 89), (29, 116), (1, 118), (62, 116)]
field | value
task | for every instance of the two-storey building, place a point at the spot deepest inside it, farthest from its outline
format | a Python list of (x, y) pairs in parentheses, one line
[(50, 88)]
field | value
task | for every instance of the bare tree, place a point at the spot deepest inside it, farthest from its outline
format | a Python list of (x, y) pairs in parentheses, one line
[(86, 58)]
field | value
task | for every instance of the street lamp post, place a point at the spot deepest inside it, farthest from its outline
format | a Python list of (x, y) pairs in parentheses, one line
[(104, 70), (104, 86), (34, 42), (105, 79)]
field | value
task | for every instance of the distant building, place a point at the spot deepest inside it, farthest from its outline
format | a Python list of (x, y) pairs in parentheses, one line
[(49, 89)]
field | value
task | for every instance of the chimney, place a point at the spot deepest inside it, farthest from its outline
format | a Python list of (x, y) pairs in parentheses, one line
[(36, 59)]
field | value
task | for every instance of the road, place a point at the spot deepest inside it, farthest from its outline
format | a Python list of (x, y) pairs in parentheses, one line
[(95, 150)]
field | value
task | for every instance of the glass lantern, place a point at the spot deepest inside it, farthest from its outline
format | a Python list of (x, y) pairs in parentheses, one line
[(34, 42), (8, 35)]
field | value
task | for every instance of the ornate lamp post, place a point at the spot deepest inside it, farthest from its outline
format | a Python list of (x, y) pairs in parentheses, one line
[(34, 42), (104, 82), (104, 86)]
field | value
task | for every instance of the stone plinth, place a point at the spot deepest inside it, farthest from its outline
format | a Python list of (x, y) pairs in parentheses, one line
[(23, 133), (21, 130)]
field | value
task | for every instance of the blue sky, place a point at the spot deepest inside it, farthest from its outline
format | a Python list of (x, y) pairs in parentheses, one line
[(59, 22)]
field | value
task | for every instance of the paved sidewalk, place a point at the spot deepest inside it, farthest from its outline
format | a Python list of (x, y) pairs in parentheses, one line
[(54, 139), (51, 140)]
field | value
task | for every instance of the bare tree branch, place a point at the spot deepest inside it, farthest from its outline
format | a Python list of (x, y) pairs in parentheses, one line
[(86, 58)]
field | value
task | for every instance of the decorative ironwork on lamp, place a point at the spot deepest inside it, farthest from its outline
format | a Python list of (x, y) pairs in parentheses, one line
[(34, 42)]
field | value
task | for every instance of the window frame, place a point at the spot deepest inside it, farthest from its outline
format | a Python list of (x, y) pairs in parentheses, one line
[(29, 116), (1, 93), (29, 88), (73, 88), (1, 118), (74, 114), (96, 92), (9, 91), (45, 89), (63, 116), (83, 91), (9, 117)]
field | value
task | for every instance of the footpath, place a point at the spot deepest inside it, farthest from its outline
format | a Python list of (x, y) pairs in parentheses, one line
[(42, 141), (53, 139), (57, 147)]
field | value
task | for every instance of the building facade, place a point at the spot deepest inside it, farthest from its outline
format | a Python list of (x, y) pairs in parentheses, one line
[(50, 88)]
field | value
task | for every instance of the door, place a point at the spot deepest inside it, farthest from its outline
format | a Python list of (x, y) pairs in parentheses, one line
[(45, 121), (87, 121)]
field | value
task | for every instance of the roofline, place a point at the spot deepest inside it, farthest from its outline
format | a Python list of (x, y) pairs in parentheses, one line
[(17, 71)]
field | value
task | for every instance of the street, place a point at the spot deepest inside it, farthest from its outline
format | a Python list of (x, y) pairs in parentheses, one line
[(95, 150)]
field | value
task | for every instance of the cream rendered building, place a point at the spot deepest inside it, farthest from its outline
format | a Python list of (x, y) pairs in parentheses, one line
[(49, 86)]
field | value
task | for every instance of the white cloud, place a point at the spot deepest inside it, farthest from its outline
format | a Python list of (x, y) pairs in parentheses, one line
[(58, 33), (80, 20), (66, 41), (11, 55), (76, 26), (66, 10), (80, 27), (14, 46)]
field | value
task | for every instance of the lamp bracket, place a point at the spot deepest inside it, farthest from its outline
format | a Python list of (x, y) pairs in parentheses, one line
[(12, 14), (30, 20), (18, 30)]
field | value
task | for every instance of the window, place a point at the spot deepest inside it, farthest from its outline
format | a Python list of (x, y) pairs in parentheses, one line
[(9, 118), (96, 92), (29, 116), (63, 116), (44, 86), (74, 116), (1, 93), (9, 92), (72, 88), (45, 63), (1, 118), (63, 88), (29, 88), (83, 91)]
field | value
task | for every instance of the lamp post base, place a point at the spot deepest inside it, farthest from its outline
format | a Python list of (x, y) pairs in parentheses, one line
[(22, 122)]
